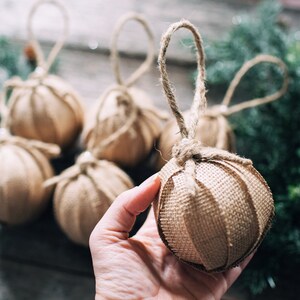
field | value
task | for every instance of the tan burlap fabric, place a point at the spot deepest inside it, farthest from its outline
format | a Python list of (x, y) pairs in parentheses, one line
[(124, 122), (24, 167), (83, 194), (213, 128), (214, 208), (45, 107)]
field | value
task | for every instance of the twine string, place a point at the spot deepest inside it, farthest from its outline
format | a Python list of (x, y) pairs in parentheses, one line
[(44, 63), (125, 106), (189, 150), (115, 59), (49, 150), (83, 161), (199, 102), (83, 165), (257, 101)]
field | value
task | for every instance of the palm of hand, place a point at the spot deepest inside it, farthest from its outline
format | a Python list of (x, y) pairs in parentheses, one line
[(142, 267)]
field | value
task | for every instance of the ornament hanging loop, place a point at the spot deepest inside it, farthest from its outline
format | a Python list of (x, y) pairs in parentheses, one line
[(43, 63), (199, 102), (115, 59), (262, 58)]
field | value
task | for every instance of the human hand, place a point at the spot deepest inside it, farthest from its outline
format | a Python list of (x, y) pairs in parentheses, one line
[(141, 267)]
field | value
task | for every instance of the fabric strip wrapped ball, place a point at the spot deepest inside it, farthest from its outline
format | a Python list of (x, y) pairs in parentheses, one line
[(83, 194), (24, 168), (126, 128), (46, 109), (125, 124), (216, 224), (213, 128), (214, 208)]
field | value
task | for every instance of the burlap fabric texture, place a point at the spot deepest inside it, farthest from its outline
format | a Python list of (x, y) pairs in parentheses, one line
[(84, 192), (24, 167), (124, 122), (44, 107), (214, 208), (213, 129)]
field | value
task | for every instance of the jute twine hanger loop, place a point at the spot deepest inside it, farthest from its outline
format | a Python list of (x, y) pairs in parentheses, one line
[(189, 150), (44, 64), (115, 59), (262, 58)]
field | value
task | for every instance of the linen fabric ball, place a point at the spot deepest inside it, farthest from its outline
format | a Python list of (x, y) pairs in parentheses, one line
[(24, 168), (46, 109), (81, 200), (223, 220), (136, 142)]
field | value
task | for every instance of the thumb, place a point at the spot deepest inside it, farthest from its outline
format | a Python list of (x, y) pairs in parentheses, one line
[(119, 219)]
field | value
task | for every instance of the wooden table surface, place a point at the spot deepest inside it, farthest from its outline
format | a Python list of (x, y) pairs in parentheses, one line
[(36, 260)]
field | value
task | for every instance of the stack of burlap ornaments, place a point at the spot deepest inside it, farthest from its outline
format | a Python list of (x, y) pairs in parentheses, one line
[(125, 116), (214, 208), (45, 107), (24, 168), (213, 128), (125, 121)]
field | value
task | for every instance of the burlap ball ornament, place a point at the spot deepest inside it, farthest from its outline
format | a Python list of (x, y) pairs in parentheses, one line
[(24, 168), (214, 208), (45, 107), (125, 116), (83, 194), (213, 128)]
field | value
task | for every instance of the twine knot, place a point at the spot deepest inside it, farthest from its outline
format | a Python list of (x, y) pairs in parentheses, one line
[(123, 99), (187, 149), (216, 111), (84, 160)]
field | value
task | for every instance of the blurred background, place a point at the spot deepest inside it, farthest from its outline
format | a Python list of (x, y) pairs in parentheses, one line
[(36, 260)]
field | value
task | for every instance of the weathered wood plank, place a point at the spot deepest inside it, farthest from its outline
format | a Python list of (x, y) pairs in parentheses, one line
[(91, 22)]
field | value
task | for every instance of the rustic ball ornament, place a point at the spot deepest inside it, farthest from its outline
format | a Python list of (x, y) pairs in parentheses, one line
[(214, 208), (83, 194), (45, 107), (24, 168), (213, 129), (125, 122)]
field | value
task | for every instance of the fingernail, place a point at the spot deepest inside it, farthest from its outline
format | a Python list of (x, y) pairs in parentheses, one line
[(149, 180)]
